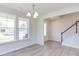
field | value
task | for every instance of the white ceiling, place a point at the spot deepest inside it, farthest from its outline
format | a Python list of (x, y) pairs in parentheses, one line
[(42, 8)]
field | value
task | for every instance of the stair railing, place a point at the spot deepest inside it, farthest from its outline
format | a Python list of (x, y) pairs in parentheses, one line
[(76, 23)]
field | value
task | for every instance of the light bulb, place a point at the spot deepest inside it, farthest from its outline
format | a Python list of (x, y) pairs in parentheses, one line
[(28, 14), (35, 15)]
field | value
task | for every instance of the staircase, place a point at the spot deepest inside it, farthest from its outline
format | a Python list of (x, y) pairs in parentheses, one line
[(72, 41)]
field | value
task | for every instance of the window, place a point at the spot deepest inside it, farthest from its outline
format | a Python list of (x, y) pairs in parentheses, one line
[(6, 29), (23, 28), (45, 29), (11, 28)]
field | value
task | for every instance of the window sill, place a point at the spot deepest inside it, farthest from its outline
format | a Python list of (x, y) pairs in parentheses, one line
[(12, 42)]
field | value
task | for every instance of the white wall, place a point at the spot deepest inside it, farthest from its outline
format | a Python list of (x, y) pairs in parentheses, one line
[(39, 32), (48, 29)]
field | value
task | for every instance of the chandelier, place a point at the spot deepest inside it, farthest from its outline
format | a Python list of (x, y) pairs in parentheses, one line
[(33, 13)]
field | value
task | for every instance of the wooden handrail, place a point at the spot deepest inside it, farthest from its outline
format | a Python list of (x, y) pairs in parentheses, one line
[(68, 28), (76, 23)]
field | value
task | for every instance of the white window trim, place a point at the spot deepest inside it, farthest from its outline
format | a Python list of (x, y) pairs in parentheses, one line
[(28, 26), (16, 29)]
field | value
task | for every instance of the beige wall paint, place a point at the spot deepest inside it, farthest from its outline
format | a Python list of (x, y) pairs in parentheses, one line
[(60, 24)]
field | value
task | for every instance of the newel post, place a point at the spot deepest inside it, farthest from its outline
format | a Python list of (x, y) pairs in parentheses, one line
[(61, 37), (76, 27)]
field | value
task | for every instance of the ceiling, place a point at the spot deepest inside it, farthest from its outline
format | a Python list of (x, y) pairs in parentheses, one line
[(42, 8)]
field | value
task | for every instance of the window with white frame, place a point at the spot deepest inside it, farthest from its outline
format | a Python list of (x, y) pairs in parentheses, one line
[(23, 28), (6, 29)]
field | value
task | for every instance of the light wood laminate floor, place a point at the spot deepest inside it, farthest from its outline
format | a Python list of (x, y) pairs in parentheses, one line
[(49, 49)]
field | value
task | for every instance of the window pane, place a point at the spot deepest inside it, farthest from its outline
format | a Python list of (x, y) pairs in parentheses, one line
[(22, 24), (23, 29), (10, 23), (3, 23), (45, 29), (6, 30)]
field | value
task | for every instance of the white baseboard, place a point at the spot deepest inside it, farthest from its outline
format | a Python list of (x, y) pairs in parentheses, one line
[(73, 46)]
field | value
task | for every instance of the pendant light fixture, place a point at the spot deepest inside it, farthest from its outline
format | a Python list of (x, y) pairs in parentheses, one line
[(33, 13)]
